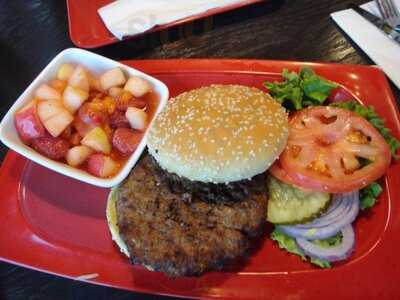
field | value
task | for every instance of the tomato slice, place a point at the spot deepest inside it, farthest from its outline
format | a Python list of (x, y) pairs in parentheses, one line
[(328, 148), (279, 173)]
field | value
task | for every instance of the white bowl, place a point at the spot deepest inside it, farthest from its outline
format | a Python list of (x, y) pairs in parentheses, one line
[(96, 64)]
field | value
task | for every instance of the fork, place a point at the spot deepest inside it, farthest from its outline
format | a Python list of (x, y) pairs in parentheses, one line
[(389, 12), (387, 9)]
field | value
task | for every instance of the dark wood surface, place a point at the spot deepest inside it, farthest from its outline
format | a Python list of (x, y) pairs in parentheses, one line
[(33, 32)]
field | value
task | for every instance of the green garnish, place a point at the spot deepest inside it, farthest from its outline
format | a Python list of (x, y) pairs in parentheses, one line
[(369, 195), (323, 264), (330, 242), (289, 244), (298, 91), (369, 113)]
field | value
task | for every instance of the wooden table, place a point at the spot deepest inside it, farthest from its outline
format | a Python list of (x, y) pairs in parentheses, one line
[(33, 32)]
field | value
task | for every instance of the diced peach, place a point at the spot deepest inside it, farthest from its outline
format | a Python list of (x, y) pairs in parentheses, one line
[(27, 122), (73, 98), (124, 100), (137, 86), (59, 85), (65, 71), (109, 104), (97, 140), (45, 92), (102, 166), (115, 91), (54, 116), (80, 79), (112, 78), (137, 118), (108, 130), (78, 155)]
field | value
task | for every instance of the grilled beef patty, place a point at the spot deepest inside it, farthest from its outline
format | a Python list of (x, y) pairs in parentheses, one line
[(180, 238), (210, 192)]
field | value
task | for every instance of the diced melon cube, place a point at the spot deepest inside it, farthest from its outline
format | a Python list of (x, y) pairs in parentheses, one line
[(73, 98), (80, 79), (65, 71), (137, 86), (102, 166), (54, 116), (111, 78), (45, 92), (137, 118), (115, 92), (78, 155), (49, 109)]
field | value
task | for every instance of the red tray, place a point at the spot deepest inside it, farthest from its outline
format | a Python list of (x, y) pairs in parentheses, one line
[(81, 13), (57, 225)]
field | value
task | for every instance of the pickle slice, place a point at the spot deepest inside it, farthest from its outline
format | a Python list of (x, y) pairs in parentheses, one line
[(290, 205)]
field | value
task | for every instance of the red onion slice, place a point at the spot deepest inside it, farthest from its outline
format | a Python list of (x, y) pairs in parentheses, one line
[(330, 254), (329, 223)]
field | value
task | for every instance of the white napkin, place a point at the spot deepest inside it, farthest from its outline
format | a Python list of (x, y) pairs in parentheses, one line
[(131, 17), (380, 48)]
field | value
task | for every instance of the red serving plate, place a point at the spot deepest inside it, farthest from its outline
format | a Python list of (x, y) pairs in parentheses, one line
[(87, 30), (57, 225)]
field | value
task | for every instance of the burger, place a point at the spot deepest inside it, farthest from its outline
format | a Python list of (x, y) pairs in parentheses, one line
[(197, 199)]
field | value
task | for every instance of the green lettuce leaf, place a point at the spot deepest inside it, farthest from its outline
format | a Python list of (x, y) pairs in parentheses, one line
[(289, 244), (298, 91), (369, 195), (314, 86), (320, 263)]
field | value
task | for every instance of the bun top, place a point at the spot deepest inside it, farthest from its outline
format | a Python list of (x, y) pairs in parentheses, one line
[(219, 133)]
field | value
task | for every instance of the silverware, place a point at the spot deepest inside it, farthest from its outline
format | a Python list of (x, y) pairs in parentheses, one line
[(378, 22), (387, 8), (389, 13)]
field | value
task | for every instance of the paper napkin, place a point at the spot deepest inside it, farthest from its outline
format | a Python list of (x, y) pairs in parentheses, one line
[(132, 17)]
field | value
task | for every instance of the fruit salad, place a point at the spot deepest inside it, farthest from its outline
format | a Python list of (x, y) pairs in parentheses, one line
[(89, 122)]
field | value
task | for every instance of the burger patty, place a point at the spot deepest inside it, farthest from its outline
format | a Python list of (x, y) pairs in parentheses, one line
[(177, 237), (210, 192)]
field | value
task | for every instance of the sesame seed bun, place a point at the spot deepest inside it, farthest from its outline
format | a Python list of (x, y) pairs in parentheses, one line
[(219, 134)]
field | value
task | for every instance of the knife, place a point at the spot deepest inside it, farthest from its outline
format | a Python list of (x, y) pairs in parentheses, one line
[(378, 22)]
